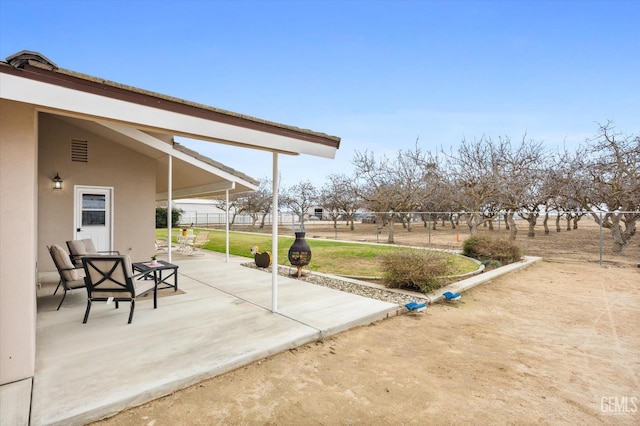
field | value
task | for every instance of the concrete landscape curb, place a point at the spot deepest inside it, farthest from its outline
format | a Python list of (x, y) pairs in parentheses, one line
[(469, 283), (475, 278)]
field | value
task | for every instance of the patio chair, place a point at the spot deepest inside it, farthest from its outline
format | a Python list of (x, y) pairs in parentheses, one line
[(79, 248), (162, 246), (185, 243), (110, 278), (198, 242), (71, 277)]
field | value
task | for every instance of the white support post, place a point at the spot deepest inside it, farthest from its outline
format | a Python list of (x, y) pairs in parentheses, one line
[(226, 203), (274, 236), (169, 207)]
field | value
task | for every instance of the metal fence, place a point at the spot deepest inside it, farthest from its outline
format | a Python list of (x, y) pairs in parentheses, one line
[(574, 234)]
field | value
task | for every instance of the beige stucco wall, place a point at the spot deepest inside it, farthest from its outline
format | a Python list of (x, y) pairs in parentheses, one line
[(33, 147), (18, 153), (129, 173)]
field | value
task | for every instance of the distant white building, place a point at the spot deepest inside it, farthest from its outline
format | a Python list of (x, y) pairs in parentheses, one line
[(199, 212), (205, 213)]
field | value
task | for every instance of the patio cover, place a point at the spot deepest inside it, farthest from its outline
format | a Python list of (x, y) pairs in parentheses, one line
[(148, 122), (193, 174)]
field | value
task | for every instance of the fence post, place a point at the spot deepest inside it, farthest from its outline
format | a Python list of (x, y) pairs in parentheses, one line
[(600, 238)]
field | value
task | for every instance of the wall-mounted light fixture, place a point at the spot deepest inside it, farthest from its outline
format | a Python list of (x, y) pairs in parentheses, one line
[(57, 182)]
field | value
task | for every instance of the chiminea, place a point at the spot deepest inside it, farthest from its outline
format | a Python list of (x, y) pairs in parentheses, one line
[(300, 252)]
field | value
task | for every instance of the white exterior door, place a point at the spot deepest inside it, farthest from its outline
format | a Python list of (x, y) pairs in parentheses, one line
[(94, 215)]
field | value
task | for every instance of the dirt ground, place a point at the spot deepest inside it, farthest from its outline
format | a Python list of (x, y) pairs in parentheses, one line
[(557, 343)]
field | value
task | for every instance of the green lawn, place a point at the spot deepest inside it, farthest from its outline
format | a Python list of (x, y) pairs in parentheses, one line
[(327, 256)]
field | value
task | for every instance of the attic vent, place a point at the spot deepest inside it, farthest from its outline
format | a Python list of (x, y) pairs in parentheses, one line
[(79, 151)]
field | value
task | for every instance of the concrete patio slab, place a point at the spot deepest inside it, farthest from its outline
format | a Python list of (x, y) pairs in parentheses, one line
[(15, 401), (224, 320)]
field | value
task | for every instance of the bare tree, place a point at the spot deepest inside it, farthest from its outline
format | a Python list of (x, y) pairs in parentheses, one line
[(376, 185), (338, 198), (522, 177), (265, 191), (611, 163), (439, 204), (567, 183), (235, 205), (392, 187), (474, 172), (300, 198), (254, 203), (418, 174)]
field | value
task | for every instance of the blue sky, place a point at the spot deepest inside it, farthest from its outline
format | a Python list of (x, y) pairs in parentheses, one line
[(378, 74)]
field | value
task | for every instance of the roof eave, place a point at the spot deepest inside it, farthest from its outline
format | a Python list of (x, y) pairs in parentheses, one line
[(65, 79)]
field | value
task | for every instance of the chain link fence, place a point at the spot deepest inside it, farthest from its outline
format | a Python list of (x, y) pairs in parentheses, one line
[(572, 234)]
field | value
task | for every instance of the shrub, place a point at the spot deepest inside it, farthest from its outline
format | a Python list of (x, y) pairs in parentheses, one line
[(423, 270), (491, 264), (486, 248), (161, 217)]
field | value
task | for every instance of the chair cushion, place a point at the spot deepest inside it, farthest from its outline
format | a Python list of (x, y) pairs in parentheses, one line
[(127, 264), (89, 246), (77, 247), (64, 261), (101, 265), (143, 286), (118, 285), (76, 284)]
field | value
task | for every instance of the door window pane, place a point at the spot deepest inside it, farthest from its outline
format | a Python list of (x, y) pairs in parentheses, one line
[(93, 209), (93, 218), (93, 201)]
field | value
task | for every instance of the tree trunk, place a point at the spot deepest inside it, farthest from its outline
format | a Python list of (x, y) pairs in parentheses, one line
[(545, 223), (568, 223), (532, 219), (472, 223), (391, 229), (621, 236), (558, 223), (511, 226)]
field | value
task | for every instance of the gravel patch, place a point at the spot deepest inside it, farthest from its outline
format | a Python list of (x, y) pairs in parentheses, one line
[(372, 291)]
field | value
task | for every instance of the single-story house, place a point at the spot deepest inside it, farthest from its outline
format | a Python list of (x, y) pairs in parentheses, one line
[(81, 156)]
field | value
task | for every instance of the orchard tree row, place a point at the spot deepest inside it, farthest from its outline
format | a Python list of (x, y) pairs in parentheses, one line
[(478, 181)]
